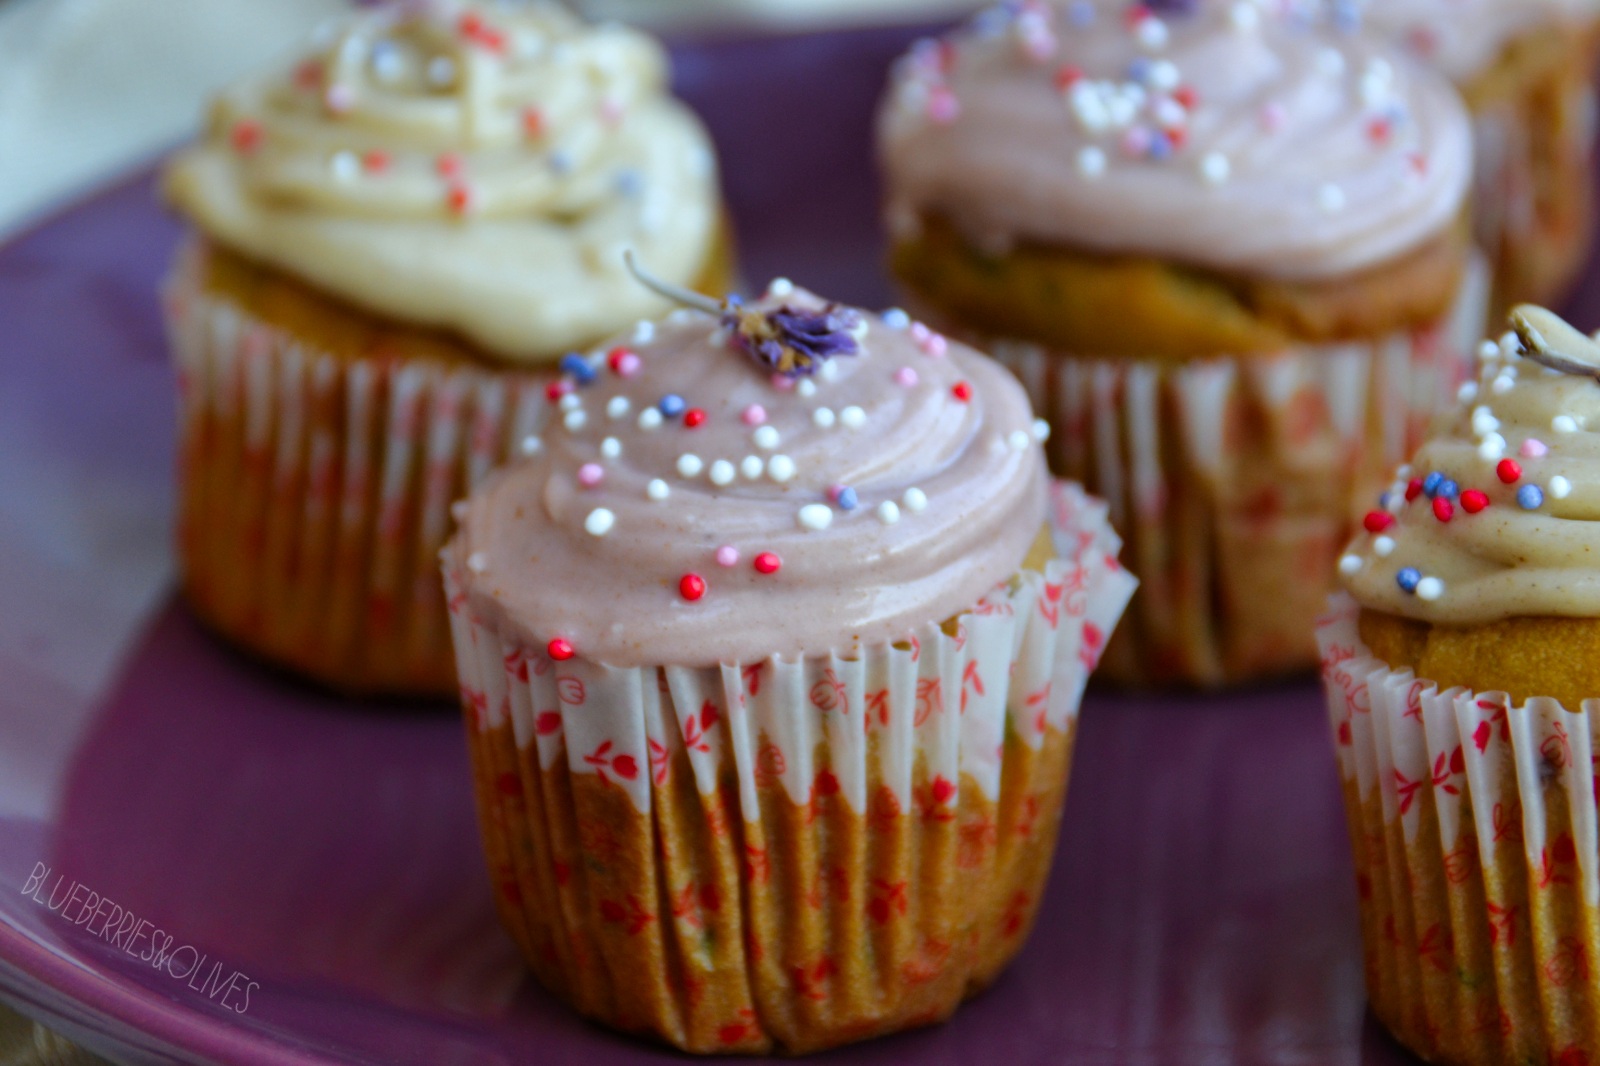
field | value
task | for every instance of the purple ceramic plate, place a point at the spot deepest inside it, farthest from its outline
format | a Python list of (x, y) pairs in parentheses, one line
[(267, 875)]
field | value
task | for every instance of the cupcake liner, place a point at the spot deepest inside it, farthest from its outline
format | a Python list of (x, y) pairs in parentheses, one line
[(1235, 480), (315, 491), (788, 854), (1477, 858)]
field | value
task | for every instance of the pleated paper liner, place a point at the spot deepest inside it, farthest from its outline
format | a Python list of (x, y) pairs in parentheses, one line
[(1236, 481), (315, 491), (788, 855), (1477, 859)]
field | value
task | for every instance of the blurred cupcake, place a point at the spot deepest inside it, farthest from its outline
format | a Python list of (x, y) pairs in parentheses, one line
[(771, 670), (1527, 69), (1462, 679), (396, 242), (1227, 255)]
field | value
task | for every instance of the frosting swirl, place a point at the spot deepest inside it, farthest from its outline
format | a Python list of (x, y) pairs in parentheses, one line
[(691, 507), (1499, 515), (470, 167), (1233, 136), (1463, 38)]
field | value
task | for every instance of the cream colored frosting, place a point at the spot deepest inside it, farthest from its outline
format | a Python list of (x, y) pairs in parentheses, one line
[(1508, 559), (1464, 37), (477, 167), (1234, 138), (950, 493)]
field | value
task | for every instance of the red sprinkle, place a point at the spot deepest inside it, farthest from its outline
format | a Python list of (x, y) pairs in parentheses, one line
[(615, 356), (691, 587), (1413, 489), (962, 391), (557, 389), (1067, 77), (375, 161), (1473, 501), (308, 75), (1508, 471), (560, 649), (532, 123), (1377, 521), (693, 417), (1186, 96), (767, 563), (246, 136), (448, 164), (459, 198), (1443, 509), (1378, 130)]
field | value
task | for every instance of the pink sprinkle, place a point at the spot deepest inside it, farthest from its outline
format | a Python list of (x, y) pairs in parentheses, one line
[(1136, 142), (754, 415), (727, 555), (1533, 449), (943, 107), (590, 475), (936, 345), (627, 364), (1273, 116), (782, 382), (340, 98), (611, 111), (905, 376)]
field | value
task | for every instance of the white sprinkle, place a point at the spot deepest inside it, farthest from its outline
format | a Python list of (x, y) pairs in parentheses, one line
[(1330, 61), (458, 510), (345, 166), (816, 516), (1330, 198), (1467, 392), (1041, 430), (752, 466), (895, 318), (807, 388), (531, 445), (574, 420), (1163, 75), (853, 417), (780, 288), (611, 447), (477, 562), (689, 464), (441, 70), (599, 521), (1564, 424), (1244, 16), (766, 438), (1510, 345), (1350, 564), (888, 512), (915, 500), (617, 407), (1430, 589), (723, 472), (1484, 421), (644, 332), (1488, 350), (1091, 161), (1215, 168), (780, 468), (1492, 447), (1383, 547), (823, 417), (657, 490), (650, 418), (1502, 384), (829, 370), (1152, 33), (1560, 487), (1019, 440), (570, 402)]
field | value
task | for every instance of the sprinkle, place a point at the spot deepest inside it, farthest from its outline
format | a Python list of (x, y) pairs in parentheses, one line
[(569, 401), (591, 474), (1503, 383), (623, 362), (1407, 578), (1530, 497), (644, 331), (1215, 168), (1564, 424), (766, 438), (962, 391), (806, 387), (657, 490), (815, 516), (560, 650), (1533, 449), (1473, 501), (1350, 564), (339, 98), (1488, 350), (577, 367), (649, 418), (1377, 521), (767, 563), (780, 468), (1152, 33), (246, 136), (723, 472), (691, 587), (531, 445), (532, 123), (458, 198), (1467, 392), (441, 71), (1484, 421), (375, 161), (1508, 471), (611, 447), (1560, 487), (1244, 16), (915, 500), (1041, 430), (780, 288), (823, 417), (574, 420), (752, 467), (853, 417), (905, 376), (727, 555), (1492, 447), (599, 522), (896, 319), (1019, 440), (1330, 198), (1448, 490), (671, 405), (1413, 489), (447, 165), (556, 390), (846, 498), (689, 464), (617, 407), (459, 510), (345, 166), (1443, 509), (477, 562), (754, 415), (1383, 547), (694, 418), (888, 512), (1091, 161), (1431, 483), (1430, 588)]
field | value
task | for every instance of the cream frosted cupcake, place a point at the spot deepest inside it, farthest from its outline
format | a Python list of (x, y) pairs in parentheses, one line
[(1226, 251), (396, 242), (1527, 70), (1463, 673), (771, 668)]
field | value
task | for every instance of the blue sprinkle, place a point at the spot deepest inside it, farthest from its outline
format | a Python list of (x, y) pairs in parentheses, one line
[(895, 318), (671, 405), (1530, 497), (1449, 489), (1409, 578), (1160, 145), (1384, 500), (847, 498), (1430, 484), (577, 368), (1081, 13), (560, 162), (1139, 70)]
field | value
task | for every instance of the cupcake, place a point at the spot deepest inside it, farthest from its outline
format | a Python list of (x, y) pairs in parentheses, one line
[(771, 666), (1226, 252), (1527, 70), (1462, 673), (396, 245)]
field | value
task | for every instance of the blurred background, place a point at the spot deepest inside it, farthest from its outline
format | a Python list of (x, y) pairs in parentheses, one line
[(89, 88)]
